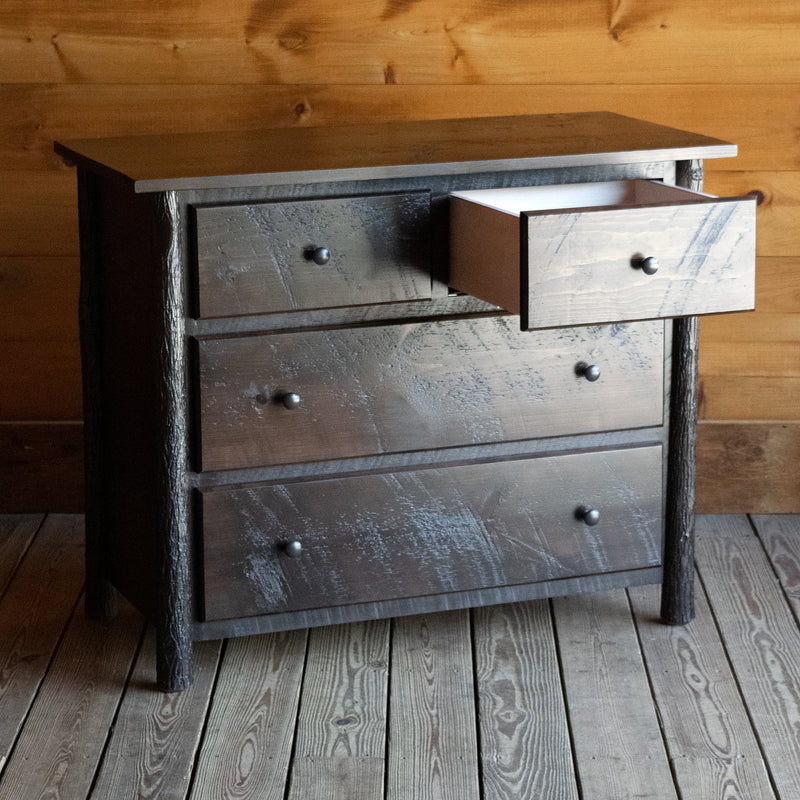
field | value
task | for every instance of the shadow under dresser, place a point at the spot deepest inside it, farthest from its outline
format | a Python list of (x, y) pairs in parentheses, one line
[(334, 374)]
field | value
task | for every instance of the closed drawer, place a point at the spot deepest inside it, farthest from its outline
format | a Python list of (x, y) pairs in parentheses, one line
[(429, 531), (574, 255), (345, 392), (285, 256)]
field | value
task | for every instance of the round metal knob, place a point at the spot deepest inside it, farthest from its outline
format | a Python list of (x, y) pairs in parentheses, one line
[(649, 265), (291, 400), (589, 371), (320, 255), (589, 516), (293, 549)]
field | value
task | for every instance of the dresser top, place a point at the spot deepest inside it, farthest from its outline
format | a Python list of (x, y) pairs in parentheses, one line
[(386, 150)]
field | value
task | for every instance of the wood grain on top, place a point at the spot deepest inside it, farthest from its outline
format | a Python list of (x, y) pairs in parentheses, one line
[(206, 160)]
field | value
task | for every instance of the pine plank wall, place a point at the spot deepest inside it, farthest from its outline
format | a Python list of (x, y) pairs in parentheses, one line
[(78, 68)]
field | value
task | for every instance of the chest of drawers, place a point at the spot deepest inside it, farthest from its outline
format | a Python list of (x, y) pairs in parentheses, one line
[(337, 374)]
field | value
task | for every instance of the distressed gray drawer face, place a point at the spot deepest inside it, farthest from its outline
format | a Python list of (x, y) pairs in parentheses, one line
[(429, 531), (262, 257), (572, 255), (404, 387)]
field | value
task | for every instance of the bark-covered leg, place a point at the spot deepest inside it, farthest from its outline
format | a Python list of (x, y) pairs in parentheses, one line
[(175, 617), (677, 592)]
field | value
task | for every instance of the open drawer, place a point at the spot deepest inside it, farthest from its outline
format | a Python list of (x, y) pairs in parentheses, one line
[(603, 252)]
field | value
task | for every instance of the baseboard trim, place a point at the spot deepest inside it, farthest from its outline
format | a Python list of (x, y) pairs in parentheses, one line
[(41, 467), (748, 467)]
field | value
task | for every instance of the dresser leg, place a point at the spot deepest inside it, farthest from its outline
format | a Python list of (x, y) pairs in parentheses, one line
[(677, 591), (101, 598), (175, 602), (173, 660), (101, 601)]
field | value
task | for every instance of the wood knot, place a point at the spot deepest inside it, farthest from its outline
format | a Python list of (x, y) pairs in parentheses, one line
[(292, 40), (302, 110), (389, 76), (759, 196)]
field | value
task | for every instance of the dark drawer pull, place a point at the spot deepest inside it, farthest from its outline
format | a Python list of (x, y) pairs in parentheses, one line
[(589, 516), (319, 255), (291, 400), (293, 549), (648, 264), (589, 371)]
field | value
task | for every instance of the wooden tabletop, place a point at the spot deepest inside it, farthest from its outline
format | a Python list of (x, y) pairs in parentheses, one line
[(385, 150)]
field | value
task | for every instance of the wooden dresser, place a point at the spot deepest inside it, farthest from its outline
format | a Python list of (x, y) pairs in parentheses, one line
[(345, 373)]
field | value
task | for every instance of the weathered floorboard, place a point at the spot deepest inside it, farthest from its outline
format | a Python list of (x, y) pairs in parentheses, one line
[(712, 748), (251, 726), (433, 752), (340, 749), (61, 745), (525, 743), (33, 614), (761, 637), (780, 535), (156, 735), (16, 534), (583, 708), (619, 751)]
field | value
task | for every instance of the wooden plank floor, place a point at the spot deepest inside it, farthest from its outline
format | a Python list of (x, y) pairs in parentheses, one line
[(579, 698)]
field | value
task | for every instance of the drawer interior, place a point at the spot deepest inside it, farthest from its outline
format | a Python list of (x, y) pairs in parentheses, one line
[(602, 194)]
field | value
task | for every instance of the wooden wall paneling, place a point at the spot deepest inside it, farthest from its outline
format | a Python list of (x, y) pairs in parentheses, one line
[(749, 397), (38, 298), (749, 366), (748, 467), (36, 227), (777, 287), (90, 69), (460, 41), (41, 381), (41, 467), (778, 233), (760, 119)]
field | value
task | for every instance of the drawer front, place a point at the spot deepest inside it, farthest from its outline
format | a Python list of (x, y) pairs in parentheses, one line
[(370, 390), (285, 256), (430, 531), (580, 266)]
